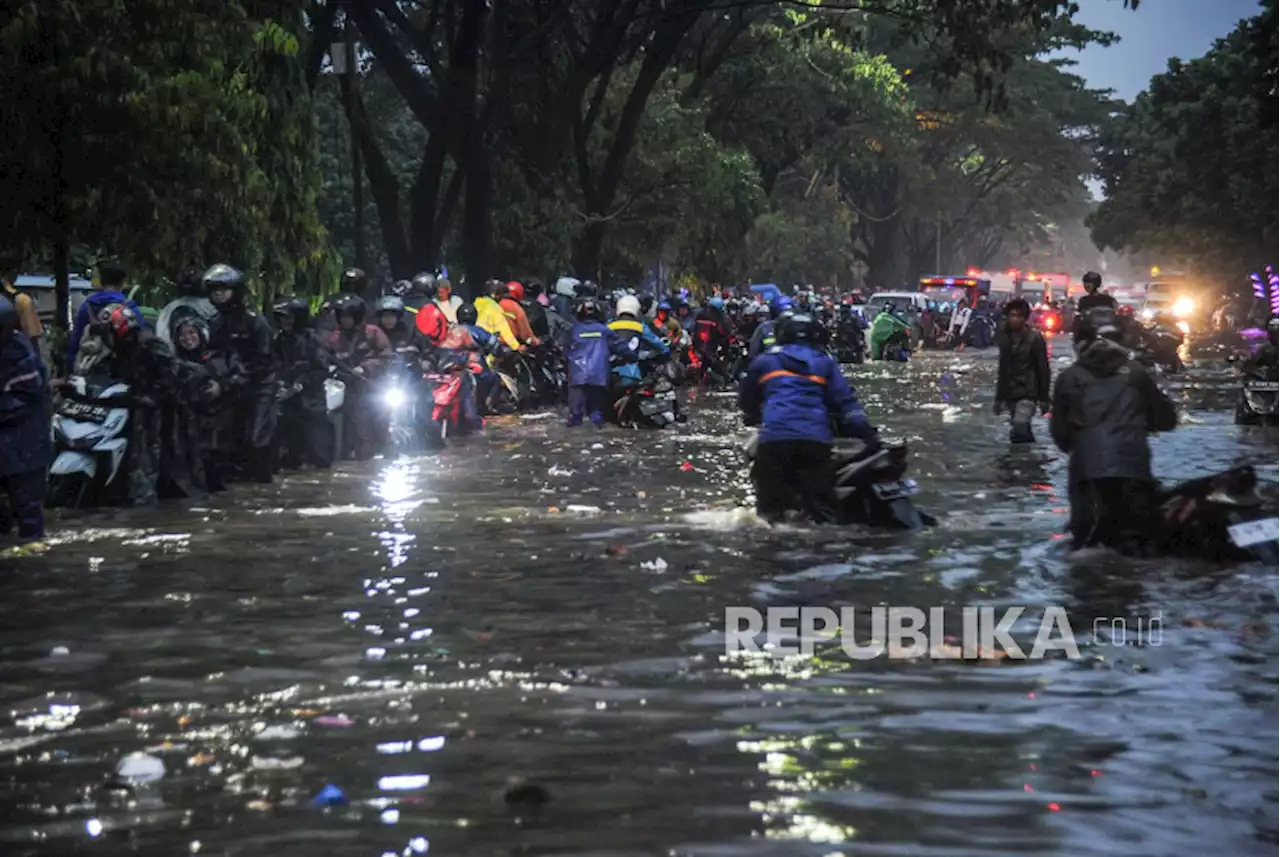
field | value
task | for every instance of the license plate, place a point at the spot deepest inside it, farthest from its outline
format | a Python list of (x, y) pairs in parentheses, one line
[(1255, 532), (83, 411), (1263, 386), (895, 490)]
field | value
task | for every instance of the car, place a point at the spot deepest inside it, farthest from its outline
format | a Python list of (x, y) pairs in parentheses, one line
[(900, 300)]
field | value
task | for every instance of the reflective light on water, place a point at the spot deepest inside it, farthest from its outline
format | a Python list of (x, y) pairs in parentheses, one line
[(404, 782)]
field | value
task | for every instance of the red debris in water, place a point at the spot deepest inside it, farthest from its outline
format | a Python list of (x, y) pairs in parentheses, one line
[(1094, 772), (1027, 788), (687, 466), (1031, 695), (1054, 807)]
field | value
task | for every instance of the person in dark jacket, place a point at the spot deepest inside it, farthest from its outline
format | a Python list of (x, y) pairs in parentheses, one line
[(209, 417), (362, 354), (1103, 407), (587, 348), (304, 434), (108, 288), (794, 391), (763, 339), (1095, 299), (26, 445), (243, 331), (1022, 379)]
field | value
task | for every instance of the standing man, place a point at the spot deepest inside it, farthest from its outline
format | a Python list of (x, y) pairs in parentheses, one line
[(1103, 407), (1022, 380), (28, 315), (26, 444)]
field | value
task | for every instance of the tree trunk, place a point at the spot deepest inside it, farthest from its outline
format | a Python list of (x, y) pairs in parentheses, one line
[(426, 226), (475, 225), (383, 183)]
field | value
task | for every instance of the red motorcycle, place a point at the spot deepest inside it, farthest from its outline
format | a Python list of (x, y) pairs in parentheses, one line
[(450, 384)]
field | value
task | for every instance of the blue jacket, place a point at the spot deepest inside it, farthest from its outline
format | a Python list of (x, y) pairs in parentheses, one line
[(647, 346), (94, 302), (796, 391), (489, 344), (26, 443), (587, 347)]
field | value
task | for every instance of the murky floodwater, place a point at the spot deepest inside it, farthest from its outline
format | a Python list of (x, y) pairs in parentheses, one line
[(545, 609)]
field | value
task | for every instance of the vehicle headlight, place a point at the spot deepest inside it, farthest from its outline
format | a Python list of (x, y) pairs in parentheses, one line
[(1183, 307), (1148, 314), (1185, 328), (394, 398)]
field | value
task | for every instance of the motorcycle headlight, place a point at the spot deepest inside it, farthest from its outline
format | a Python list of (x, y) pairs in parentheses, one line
[(1184, 327), (394, 398), (1183, 307), (1148, 314)]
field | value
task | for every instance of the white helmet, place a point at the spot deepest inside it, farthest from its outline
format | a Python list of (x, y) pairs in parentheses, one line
[(627, 305), (567, 286)]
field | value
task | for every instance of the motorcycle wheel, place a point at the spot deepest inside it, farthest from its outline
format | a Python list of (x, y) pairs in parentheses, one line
[(67, 490)]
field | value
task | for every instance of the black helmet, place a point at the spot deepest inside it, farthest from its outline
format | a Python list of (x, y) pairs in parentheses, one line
[(424, 283), (587, 289), (402, 288), (586, 308), (1092, 281), (646, 302), (467, 314), (191, 284), (532, 289), (222, 276), (349, 304), (1093, 322), (295, 307), (496, 289), (353, 280), (391, 303), (8, 319), (798, 327)]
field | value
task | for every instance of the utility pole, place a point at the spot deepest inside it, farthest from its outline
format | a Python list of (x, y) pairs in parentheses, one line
[(347, 69)]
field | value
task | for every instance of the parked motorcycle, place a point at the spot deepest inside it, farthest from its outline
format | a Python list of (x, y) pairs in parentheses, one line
[(871, 487), (651, 402), (90, 435)]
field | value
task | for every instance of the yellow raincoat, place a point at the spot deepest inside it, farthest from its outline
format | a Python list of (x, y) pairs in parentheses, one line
[(489, 315)]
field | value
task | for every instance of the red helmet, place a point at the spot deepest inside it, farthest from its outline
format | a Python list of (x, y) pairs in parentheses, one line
[(432, 324), (515, 290), (1125, 310)]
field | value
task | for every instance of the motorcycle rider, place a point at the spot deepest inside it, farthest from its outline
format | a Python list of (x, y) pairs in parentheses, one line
[(535, 310), (1103, 407), (883, 328), (391, 318), (304, 434), (209, 419), (487, 345), (509, 298), (25, 441), (850, 336), (451, 345), (566, 294), (108, 288), (587, 348), (353, 283), (361, 352), (711, 334), (447, 301), (1095, 299), (422, 291), (794, 391), (665, 322), (1023, 377), (243, 331), (490, 315), (764, 338), (192, 300), (639, 338)]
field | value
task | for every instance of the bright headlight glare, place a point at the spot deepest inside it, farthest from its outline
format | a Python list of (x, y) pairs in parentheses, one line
[(1148, 314), (1183, 307), (394, 397), (1185, 328)]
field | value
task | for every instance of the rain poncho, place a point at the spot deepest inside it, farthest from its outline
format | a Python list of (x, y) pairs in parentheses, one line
[(490, 316), (885, 326)]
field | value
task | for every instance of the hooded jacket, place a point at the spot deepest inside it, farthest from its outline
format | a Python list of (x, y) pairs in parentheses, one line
[(25, 442), (587, 348), (1024, 366), (795, 391), (1103, 407)]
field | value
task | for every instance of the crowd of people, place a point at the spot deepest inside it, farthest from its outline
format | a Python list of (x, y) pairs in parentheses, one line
[(218, 392)]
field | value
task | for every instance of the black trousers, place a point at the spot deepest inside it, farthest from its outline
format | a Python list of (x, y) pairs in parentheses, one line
[(25, 495), (794, 474), (1117, 513), (304, 435)]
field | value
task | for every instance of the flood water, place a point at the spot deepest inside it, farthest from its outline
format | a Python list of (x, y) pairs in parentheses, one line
[(515, 648)]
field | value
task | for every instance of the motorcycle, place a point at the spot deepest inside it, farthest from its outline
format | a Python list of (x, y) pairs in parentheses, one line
[(90, 434), (402, 393), (1259, 389), (335, 393), (651, 401), (897, 348), (1159, 347), (1218, 518), (870, 485), (449, 383)]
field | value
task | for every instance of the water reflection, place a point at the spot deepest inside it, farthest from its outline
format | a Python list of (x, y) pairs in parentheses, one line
[(419, 634)]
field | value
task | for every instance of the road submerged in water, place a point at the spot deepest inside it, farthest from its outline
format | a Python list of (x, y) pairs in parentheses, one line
[(517, 648)]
